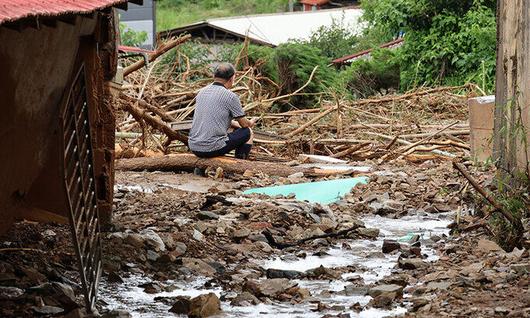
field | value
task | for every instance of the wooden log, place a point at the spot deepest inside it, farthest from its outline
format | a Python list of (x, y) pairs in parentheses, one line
[(161, 50), (187, 162), (165, 116), (515, 222), (350, 150), (155, 122), (311, 122)]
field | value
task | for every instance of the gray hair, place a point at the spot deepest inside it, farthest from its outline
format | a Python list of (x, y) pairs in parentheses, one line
[(224, 71)]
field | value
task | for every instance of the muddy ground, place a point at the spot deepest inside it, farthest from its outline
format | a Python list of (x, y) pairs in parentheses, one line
[(383, 250)]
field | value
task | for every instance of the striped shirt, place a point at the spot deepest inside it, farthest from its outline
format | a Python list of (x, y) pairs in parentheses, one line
[(215, 108)]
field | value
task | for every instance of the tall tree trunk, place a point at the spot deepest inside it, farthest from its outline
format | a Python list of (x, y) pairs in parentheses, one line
[(512, 112)]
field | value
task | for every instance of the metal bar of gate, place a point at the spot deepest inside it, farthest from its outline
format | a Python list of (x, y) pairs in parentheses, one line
[(80, 187)]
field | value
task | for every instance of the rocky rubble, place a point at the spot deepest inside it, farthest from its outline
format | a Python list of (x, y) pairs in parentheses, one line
[(224, 239)]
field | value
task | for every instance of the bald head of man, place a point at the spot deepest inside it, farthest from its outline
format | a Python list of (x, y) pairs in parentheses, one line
[(225, 73)]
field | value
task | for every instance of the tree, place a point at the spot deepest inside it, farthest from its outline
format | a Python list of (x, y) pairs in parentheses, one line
[(446, 41)]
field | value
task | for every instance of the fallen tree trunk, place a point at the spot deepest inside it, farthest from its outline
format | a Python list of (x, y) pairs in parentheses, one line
[(153, 121), (187, 162), (161, 50)]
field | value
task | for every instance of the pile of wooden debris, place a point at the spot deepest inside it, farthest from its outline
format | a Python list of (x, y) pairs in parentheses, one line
[(425, 124)]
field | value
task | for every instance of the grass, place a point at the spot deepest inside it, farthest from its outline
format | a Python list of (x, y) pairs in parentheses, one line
[(176, 13)]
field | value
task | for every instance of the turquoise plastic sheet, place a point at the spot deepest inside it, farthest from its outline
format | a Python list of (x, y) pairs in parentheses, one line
[(323, 192)]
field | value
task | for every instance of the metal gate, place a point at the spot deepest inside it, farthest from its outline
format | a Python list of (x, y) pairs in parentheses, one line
[(80, 187)]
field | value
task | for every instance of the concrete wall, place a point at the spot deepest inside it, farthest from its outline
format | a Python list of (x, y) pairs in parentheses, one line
[(141, 19), (512, 113), (37, 66)]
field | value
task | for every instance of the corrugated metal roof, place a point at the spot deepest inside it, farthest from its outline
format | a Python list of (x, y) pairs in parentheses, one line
[(12, 10), (280, 28)]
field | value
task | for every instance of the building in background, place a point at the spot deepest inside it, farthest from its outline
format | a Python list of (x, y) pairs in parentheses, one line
[(314, 5), (268, 29), (141, 18)]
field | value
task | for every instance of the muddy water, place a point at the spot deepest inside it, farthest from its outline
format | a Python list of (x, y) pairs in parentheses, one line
[(363, 255)]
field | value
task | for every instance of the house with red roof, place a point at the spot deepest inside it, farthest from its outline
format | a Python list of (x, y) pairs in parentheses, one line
[(57, 59)]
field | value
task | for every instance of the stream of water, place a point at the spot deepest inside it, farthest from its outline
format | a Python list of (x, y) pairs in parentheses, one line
[(363, 254)]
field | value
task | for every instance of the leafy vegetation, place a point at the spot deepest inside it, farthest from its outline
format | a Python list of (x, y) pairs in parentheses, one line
[(130, 37), (335, 40), (175, 13), (446, 42), (365, 78)]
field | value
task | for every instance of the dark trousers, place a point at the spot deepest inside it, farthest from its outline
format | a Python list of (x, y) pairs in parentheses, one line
[(236, 140)]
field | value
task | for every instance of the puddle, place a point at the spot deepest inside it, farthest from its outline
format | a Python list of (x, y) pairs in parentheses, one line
[(365, 256)]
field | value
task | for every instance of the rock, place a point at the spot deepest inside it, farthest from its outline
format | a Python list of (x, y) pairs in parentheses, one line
[(33, 276), (355, 290), (168, 240), (487, 246), (76, 313), (503, 311), (198, 236), (204, 306), (273, 287), (10, 293), (117, 314), (201, 226), (152, 239), (280, 273), (368, 233), (521, 268), (300, 293), (417, 303), (198, 266), (207, 215), (382, 301), (437, 286), (411, 263), (322, 272), (258, 238), (296, 175), (435, 238), (152, 255), (134, 239), (241, 234), (181, 305), (114, 278), (47, 310), (392, 291), (151, 288), (244, 299), (180, 249), (265, 247), (387, 207), (390, 246), (62, 293)]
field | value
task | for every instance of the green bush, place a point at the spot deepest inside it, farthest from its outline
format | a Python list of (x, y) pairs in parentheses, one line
[(130, 37), (259, 56), (446, 42), (295, 62), (368, 77), (334, 41)]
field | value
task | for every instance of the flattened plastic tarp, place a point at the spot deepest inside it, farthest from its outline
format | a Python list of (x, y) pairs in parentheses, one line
[(323, 192)]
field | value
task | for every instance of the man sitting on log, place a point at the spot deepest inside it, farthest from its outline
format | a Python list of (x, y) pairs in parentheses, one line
[(218, 110)]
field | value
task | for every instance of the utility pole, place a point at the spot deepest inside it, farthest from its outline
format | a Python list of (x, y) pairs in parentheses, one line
[(512, 89)]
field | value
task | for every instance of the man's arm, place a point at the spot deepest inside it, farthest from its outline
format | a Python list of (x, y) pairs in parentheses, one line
[(246, 123)]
